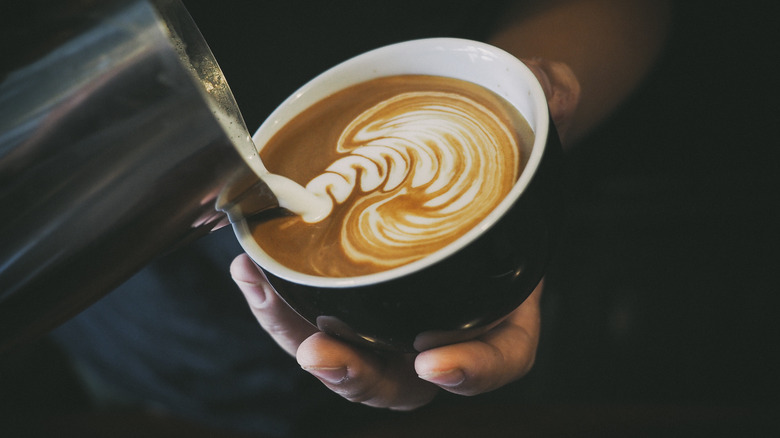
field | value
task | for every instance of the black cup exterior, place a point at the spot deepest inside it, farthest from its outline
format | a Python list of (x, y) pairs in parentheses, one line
[(460, 296)]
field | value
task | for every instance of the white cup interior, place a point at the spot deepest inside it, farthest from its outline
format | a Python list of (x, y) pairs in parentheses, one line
[(472, 61)]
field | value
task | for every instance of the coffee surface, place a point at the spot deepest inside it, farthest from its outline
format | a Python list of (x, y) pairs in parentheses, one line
[(408, 163)]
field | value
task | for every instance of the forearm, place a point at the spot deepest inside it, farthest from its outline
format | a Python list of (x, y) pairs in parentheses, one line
[(609, 44)]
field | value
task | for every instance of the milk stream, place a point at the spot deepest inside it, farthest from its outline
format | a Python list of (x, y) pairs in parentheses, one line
[(292, 196)]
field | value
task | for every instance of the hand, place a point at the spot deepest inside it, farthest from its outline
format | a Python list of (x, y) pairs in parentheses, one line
[(396, 381), (561, 88)]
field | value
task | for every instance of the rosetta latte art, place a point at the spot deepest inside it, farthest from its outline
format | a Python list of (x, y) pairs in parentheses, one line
[(422, 168)]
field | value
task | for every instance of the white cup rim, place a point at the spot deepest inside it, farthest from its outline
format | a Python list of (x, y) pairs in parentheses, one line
[(479, 57)]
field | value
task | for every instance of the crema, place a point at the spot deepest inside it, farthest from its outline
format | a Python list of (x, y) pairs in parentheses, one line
[(407, 164)]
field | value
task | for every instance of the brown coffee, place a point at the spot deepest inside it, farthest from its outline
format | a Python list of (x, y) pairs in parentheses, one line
[(410, 164)]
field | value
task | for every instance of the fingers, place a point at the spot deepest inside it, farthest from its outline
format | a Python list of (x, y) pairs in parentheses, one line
[(362, 376), (503, 355), (286, 327), (387, 381), (394, 381)]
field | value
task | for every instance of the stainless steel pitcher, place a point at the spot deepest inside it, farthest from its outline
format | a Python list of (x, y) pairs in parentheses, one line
[(118, 136)]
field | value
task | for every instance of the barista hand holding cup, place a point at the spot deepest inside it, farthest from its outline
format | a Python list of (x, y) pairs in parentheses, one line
[(507, 352), (405, 381)]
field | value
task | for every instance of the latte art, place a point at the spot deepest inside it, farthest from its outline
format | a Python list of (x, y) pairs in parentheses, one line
[(427, 164), (407, 164)]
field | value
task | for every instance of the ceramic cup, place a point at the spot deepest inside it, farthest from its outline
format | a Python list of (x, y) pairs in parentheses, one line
[(464, 289)]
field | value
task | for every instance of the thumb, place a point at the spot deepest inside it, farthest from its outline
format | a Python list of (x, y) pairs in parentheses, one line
[(561, 88)]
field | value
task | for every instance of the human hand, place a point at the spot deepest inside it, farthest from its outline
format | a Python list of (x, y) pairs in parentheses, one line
[(396, 381), (561, 88)]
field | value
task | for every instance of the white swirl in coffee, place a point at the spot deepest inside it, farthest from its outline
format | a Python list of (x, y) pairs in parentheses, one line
[(408, 164), (426, 164)]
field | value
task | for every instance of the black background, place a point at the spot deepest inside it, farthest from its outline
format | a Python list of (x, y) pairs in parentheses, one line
[(664, 291)]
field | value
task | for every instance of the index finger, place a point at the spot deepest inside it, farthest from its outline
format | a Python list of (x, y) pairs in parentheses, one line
[(285, 326)]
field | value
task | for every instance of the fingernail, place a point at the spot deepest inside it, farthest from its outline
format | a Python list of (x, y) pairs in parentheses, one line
[(447, 378), (327, 374)]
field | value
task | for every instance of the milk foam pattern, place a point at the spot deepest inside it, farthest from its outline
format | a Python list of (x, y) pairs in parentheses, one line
[(427, 167)]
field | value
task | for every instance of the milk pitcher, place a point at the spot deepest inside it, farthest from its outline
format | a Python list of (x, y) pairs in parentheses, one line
[(118, 138)]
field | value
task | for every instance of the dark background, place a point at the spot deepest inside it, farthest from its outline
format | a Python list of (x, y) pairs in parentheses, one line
[(660, 309)]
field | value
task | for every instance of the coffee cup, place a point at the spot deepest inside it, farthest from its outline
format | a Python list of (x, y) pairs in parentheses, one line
[(460, 291)]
